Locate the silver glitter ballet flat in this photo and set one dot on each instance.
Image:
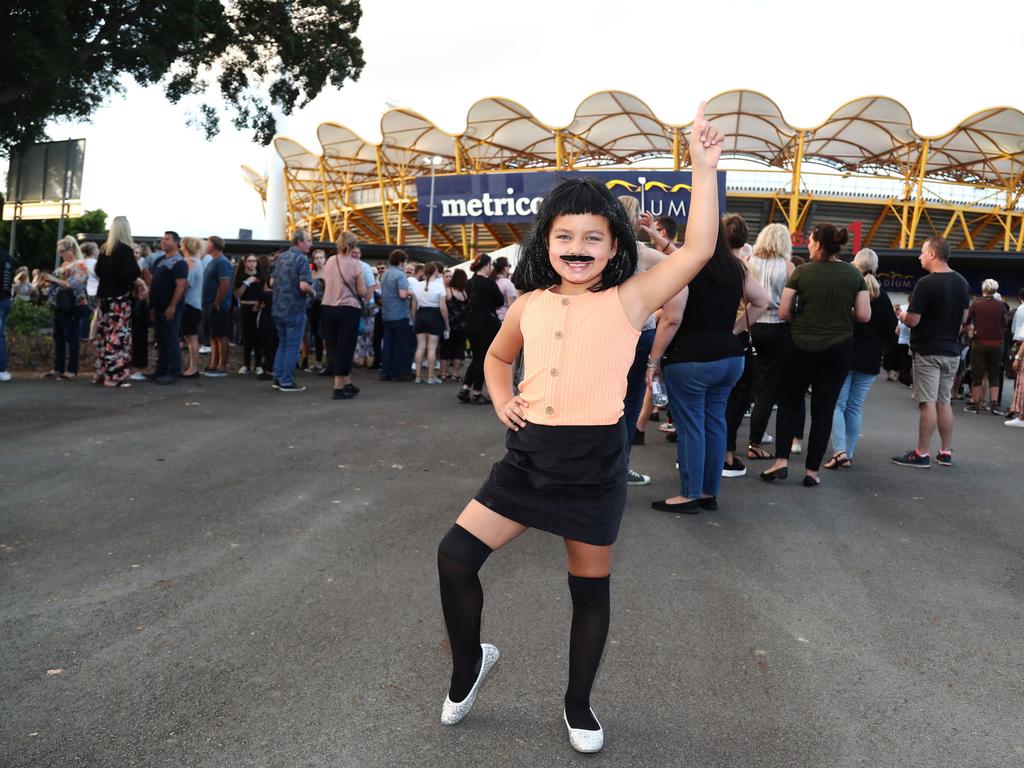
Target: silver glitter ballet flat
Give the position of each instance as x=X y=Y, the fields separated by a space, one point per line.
x=452 y=712
x=583 y=740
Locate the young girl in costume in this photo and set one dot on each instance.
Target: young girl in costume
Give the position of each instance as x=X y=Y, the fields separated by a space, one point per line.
x=565 y=470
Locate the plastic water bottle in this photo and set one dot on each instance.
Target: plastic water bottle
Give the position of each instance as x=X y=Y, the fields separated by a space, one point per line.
x=658 y=394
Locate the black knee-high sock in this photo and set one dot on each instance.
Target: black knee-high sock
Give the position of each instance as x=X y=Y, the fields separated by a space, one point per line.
x=459 y=558
x=591 y=613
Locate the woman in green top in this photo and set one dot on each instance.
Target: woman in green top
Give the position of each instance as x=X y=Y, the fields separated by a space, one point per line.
x=830 y=295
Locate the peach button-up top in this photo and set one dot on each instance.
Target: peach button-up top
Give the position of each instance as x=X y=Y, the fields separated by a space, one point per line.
x=577 y=351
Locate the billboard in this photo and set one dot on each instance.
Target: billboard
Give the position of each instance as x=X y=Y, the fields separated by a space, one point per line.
x=42 y=177
x=494 y=198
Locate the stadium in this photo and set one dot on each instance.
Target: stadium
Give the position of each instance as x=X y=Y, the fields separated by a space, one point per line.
x=865 y=167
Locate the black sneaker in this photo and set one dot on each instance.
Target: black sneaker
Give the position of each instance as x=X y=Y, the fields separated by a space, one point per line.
x=265 y=376
x=995 y=410
x=913 y=459
x=290 y=388
x=352 y=389
x=973 y=408
x=944 y=458
x=734 y=469
x=635 y=478
x=342 y=394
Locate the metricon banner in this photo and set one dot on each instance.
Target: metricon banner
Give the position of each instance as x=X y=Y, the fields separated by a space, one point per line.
x=494 y=198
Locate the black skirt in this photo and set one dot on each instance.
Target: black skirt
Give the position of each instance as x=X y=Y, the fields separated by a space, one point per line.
x=569 y=481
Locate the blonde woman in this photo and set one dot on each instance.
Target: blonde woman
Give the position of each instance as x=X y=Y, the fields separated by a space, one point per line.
x=868 y=341
x=344 y=296
x=119 y=279
x=770 y=264
x=192 y=248
x=67 y=298
x=23 y=290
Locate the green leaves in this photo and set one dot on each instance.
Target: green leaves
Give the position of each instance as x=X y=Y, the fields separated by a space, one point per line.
x=250 y=58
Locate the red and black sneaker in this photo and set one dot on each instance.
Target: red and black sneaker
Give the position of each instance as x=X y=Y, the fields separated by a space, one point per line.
x=913 y=459
x=944 y=458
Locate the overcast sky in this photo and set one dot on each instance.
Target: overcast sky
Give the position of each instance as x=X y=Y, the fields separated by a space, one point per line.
x=942 y=60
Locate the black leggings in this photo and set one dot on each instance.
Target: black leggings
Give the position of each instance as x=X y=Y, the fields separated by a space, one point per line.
x=479 y=341
x=825 y=372
x=250 y=336
x=739 y=400
x=341 y=329
x=773 y=345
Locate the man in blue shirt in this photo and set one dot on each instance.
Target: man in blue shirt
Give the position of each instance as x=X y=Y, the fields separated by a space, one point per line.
x=166 y=306
x=396 y=353
x=217 y=305
x=293 y=281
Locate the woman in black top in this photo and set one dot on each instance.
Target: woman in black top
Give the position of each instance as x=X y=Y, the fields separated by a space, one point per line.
x=250 y=280
x=703 y=362
x=118 y=274
x=482 y=325
x=869 y=340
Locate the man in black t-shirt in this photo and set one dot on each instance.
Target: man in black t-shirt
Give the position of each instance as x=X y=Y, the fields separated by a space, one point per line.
x=937 y=312
x=166 y=291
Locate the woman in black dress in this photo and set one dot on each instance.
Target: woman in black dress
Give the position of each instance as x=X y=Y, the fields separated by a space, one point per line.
x=482 y=325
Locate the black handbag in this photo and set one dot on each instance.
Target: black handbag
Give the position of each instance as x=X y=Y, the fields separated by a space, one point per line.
x=64 y=301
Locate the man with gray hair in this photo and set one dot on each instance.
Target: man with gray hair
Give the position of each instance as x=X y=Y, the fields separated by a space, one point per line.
x=293 y=281
x=935 y=316
x=987 y=319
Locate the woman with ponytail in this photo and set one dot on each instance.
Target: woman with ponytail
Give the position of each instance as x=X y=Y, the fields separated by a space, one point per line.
x=868 y=342
x=822 y=299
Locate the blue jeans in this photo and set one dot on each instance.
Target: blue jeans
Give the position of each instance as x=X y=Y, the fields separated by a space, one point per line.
x=636 y=384
x=5 y=307
x=290 y=331
x=168 y=353
x=697 y=394
x=849 y=407
x=395 y=354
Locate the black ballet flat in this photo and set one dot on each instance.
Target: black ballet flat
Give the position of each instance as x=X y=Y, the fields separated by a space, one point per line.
x=710 y=503
x=691 y=507
x=771 y=475
x=811 y=482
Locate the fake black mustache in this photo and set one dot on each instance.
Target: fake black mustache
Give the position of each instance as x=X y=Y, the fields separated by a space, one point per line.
x=579 y=258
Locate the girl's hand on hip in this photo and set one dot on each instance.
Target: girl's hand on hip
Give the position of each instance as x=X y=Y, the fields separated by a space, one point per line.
x=706 y=141
x=513 y=414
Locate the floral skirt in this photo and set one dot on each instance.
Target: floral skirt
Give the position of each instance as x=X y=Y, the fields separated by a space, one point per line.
x=114 y=339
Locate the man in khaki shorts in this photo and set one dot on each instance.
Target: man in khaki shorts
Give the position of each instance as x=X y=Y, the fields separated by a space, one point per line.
x=935 y=316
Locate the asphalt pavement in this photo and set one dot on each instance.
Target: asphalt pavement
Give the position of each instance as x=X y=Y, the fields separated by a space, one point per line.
x=217 y=574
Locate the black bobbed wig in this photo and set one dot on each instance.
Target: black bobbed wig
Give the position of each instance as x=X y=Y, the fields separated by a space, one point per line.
x=573 y=197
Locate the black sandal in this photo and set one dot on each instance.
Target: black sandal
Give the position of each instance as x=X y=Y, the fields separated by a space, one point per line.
x=463 y=395
x=756 y=452
x=479 y=399
x=839 y=463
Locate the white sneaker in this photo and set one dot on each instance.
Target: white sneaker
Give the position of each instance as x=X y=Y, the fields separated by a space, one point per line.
x=243 y=370
x=205 y=350
x=138 y=376
x=5 y=375
x=767 y=440
x=1017 y=422
x=259 y=370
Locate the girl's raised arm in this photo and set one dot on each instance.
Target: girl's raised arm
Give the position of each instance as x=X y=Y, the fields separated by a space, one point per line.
x=644 y=293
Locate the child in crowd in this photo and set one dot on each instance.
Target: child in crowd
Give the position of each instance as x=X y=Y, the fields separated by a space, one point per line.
x=565 y=470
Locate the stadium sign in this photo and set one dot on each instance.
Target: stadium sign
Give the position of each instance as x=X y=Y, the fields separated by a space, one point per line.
x=495 y=198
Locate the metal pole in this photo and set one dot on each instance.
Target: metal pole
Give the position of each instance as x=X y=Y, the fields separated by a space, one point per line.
x=430 y=213
x=64 y=190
